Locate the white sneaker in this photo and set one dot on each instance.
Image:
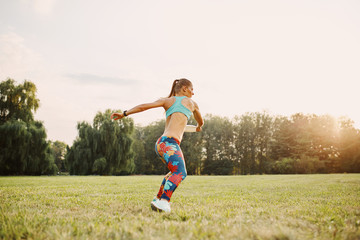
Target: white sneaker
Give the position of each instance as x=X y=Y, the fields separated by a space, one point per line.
x=153 y=201
x=160 y=205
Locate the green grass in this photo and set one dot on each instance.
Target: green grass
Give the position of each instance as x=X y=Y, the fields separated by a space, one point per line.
x=203 y=207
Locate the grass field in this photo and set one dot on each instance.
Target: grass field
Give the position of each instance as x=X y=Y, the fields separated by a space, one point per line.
x=203 y=207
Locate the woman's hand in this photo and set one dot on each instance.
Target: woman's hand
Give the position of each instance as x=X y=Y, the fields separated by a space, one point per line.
x=198 y=129
x=117 y=116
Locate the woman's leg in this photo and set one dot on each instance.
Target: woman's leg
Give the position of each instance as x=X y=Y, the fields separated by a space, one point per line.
x=161 y=191
x=178 y=170
x=169 y=151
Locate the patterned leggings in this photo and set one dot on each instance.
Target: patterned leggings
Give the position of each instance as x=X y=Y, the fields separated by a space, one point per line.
x=168 y=149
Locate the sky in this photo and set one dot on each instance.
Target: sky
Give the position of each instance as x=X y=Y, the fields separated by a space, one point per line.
x=279 y=56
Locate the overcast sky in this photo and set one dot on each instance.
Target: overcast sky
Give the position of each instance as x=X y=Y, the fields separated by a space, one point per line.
x=87 y=56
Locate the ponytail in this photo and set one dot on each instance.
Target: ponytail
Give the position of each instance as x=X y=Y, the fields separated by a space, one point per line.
x=172 y=92
x=177 y=85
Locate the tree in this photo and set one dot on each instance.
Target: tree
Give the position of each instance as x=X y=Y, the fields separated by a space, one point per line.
x=245 y=135
x=17 y=102
x=218 y=140
x=324 y=134
x=192 y=147
x=139 y=150
x=349 y=147
x=23 y=146
x=103 y=148
x=280 y=143
x=24 y=149
x=263 y=128
x=59 y=151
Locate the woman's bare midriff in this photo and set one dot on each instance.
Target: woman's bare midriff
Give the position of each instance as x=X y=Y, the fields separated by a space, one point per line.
x=175 y=125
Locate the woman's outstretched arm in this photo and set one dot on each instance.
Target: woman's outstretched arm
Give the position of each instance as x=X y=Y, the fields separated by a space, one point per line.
x=139 y=108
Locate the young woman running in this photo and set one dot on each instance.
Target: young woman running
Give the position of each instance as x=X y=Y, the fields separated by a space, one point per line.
x=179 y=107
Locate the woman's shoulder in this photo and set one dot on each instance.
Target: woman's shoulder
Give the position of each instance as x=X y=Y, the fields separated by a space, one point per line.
x=190 y=100
x=189 y=103
x=165 y=99
x=168 y=101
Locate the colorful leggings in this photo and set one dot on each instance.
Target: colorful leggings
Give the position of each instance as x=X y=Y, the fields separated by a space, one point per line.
x=168 y=149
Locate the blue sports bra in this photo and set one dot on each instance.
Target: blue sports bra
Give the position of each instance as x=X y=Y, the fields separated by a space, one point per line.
x=178 y=107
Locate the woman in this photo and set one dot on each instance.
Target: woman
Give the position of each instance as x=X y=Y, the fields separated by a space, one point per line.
x=179 y=107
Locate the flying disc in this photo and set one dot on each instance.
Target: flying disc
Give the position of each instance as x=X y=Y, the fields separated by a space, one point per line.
x=190 y=128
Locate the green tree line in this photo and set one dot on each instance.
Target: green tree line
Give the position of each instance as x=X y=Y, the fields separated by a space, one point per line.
x=252 y=143
x=259 y=143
